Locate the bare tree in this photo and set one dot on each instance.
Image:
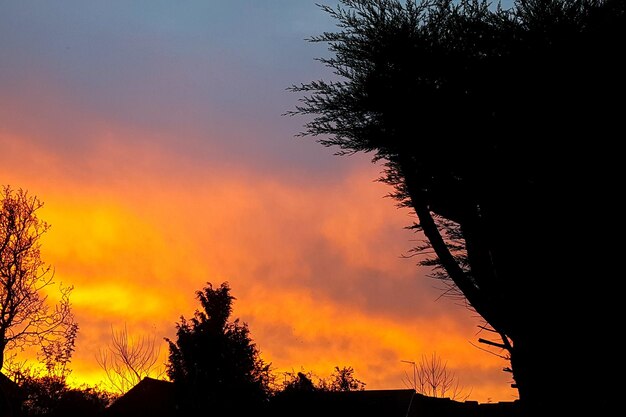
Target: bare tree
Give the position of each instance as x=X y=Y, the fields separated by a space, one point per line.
x=57 y=355
x=26 y=316
x=432 y=377
x=127 y=360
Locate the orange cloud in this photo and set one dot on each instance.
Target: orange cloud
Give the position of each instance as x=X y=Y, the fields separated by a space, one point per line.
x=315 y=267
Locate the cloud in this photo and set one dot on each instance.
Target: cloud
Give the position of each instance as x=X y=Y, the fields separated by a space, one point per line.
x=316 y=266
x=154 y=136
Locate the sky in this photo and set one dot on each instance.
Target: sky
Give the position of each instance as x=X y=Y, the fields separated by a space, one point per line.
x=153 y=131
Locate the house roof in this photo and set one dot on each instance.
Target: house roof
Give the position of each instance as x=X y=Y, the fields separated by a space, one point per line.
x=8 y=385
x=150 y=397
x=383 y=403
x=156 y=398
x=10 y=396
x=389 y=403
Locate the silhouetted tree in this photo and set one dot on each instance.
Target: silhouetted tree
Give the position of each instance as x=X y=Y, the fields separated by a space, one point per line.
x=474 y=111
x=343 y=379
x=431 y=377
x=213 y=362
x=299 y=382
x=127 y=360
x=26 y=316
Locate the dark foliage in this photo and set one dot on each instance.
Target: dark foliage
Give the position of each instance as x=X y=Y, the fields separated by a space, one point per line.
x=49 y=395
x=341 y=379
x=298 y=382
x=498 y=128
x=213 y=362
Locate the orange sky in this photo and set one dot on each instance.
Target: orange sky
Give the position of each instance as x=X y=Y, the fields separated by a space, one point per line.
x=316 y=267
x=154 y=136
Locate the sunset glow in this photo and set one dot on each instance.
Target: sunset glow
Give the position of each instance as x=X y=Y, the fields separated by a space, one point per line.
x=154 y=190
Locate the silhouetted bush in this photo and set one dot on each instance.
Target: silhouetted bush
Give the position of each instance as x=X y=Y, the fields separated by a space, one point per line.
x=214 y=364
x=50 y=396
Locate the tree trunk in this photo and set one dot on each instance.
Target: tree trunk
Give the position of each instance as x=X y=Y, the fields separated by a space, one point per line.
x=3 y=346
x=534 y=376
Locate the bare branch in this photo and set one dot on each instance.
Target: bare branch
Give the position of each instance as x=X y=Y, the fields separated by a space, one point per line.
x=27 y=318
x=489 y=342
x=127 y=360
x=432 y=377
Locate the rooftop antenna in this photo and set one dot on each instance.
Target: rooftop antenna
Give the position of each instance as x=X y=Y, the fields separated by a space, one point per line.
x=414 y=373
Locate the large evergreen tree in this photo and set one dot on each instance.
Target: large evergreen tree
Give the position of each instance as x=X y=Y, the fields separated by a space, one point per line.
x=498 y=128
x=213 y=362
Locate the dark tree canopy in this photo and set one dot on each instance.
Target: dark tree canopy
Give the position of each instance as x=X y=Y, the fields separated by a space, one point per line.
x=50 y=396
x=213 y=362
x=298 y=382
x=341 y=379
x=497 y=127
